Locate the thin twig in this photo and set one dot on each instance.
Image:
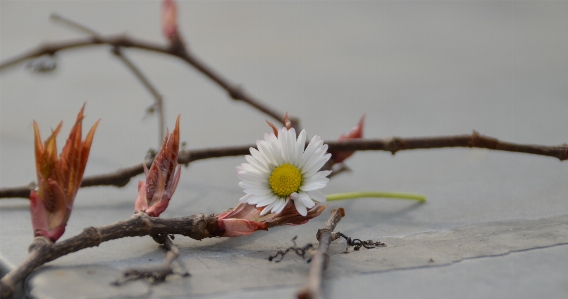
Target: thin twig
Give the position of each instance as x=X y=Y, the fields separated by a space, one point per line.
x=158 y=99
x=178 y=50
x=72 y=24
x=116 y=50
x=197 y=227
x=121 y=177
x=157 y=273
x=300 y=251
x=320 y=258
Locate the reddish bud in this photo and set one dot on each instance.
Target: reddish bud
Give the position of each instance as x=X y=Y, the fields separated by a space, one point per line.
x=161 y=180
x=287 y=122
x=355 y=133
x=59 y=178
x=169 y=20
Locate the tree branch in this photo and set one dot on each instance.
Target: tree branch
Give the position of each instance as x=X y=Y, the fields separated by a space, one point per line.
x=122 y=176
x=42 y=250
x=320 y=259
x=158 y=101
x=178 y=50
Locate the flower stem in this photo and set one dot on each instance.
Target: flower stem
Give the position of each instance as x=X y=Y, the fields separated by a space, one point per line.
x=398 y=195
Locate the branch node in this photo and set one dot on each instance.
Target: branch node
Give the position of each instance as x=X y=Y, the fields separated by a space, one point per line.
x=236 y=93
x=322 y=231
x=38 y=243
x=93 y=234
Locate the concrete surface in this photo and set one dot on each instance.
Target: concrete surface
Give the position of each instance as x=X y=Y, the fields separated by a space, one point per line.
x=494 y=224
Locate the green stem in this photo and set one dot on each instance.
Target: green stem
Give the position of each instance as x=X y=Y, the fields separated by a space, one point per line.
x=353 y=195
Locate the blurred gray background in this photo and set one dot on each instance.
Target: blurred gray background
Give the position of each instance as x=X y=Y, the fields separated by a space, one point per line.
x=416 y=68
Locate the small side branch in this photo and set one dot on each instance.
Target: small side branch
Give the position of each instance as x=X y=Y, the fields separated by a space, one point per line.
x=158 y=100
x=320 y=259
x=159 y=273
x=197 y=227
x=116 y=50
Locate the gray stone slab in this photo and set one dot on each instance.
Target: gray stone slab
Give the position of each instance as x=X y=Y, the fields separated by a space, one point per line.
x=415 y=68
x=217 y=270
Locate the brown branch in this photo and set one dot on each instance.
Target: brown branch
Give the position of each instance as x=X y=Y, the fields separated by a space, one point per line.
x=320 y=259
x=121 y=177
x=475 y=139
x=197 y=227
x=130 y=65
x=177 y=49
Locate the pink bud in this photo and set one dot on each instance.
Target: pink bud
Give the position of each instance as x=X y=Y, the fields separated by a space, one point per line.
x=169 y=20
x=161 y=180
x=59 y=178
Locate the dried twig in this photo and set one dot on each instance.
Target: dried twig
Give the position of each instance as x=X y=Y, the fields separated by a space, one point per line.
x=358 y=243
x=197 y=227
x=158 y=273
x=320 y=258
x=122 y=176
x=300 y=251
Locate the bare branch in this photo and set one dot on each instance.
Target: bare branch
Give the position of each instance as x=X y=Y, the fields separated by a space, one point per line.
x=178 y=50
x=121 y=177
x=116 y=50
x=320 y=259
x=42 y=250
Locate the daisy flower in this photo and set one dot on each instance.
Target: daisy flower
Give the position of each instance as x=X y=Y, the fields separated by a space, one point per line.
x=281 y=170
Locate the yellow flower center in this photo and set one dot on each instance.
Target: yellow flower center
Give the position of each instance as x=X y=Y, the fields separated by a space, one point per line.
x=285 y=180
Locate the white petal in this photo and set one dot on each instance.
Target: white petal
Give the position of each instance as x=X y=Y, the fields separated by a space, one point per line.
x=267 y=201
x=267 y=208
x=256 y=191
x=266 y=150
x=249 y=176
x=254 y=185
x=315 y=185
x=284 y=137
x=317 y=196
x=301 y=208
x=317 y=166
x=245 y=198
x=314 y=144
x=319 y=175
x=291 y=146
x=300 y=145
x=315 y=159
x=280 y=206
x=306 y=200
x=259 y=157
x=258 y=198
x=275 y=148
x=247 y=167
x=256 y=164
